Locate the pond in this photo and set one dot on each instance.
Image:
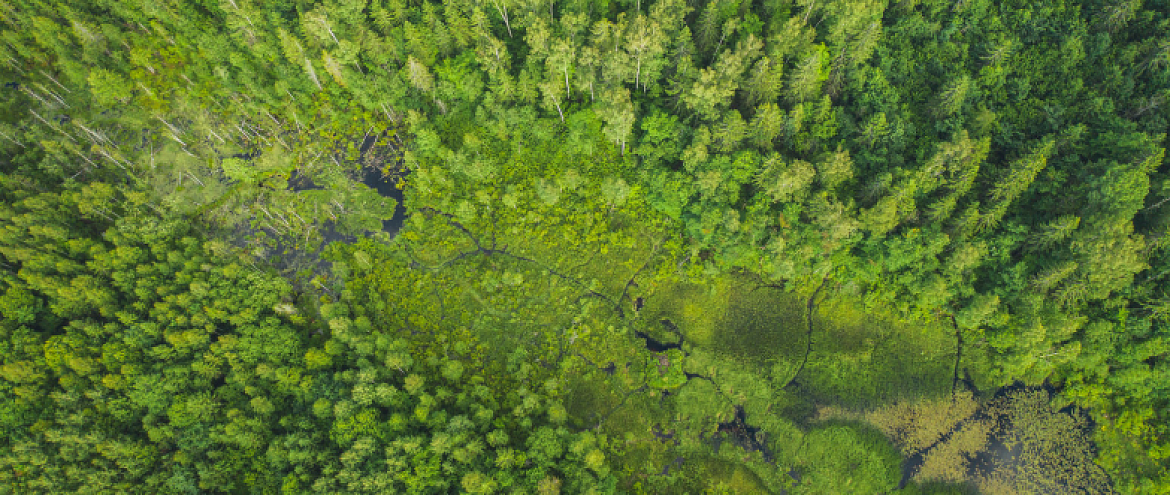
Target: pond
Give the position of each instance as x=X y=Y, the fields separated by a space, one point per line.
x=375 y=180
x=372 y=176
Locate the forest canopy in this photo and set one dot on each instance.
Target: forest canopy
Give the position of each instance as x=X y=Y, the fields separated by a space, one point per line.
x=589 y=246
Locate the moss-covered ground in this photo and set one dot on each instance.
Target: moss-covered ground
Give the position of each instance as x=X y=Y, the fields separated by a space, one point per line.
x=742 y=345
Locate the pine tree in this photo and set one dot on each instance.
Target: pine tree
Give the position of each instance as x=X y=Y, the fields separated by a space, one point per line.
x=785 y=181
x=1055 y=231
x=804 y=82
x=767 y=124
x=835 y=168
x=1023 y=172
x=764 y=83
x=952 y=97
x=419 y=76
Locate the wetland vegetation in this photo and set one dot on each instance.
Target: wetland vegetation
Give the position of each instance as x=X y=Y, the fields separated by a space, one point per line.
x=589 y=246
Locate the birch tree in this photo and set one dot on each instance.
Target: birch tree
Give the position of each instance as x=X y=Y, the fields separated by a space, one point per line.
x=646 y=44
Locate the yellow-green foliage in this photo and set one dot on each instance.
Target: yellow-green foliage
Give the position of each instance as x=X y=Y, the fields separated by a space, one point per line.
x=919 y=425
x=934 y=488
x=1024 y=443
x=591 y=397
x=702 y=407
x=729 y=316
x=719 y=476
x=781 y=435
x=865 y=359
x=847 y=458
x=666 y=369
x=857 y=358
x=1049 y=451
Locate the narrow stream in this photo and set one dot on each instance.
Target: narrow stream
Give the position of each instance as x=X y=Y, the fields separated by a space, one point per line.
x=738 y=431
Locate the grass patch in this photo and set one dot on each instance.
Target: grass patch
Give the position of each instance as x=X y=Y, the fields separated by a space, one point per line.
x=719 y=476
x=729 y=317
x=750 y=343
x=865 y=360
x=858 y=358
x=591 y=396
x=845 y=457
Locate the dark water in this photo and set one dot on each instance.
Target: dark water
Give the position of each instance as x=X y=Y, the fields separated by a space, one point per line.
x=298 y=182
x=372 y=178
x=655 y=345
x=743 y=434
x=290 y=257
x=385 y=188
x=996 y=453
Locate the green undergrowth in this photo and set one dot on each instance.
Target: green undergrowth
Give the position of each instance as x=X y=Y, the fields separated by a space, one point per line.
x=862 y=359
x=936 y=488
x=743 y=347
x=848 y=458
x=857 y=358
x=725 y=477
x=672 y=415
x=660 y=453
x=733 y=318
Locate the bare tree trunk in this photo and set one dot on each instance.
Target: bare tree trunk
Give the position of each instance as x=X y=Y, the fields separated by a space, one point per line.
x=504 y=13
x=325 y=22
x=55 y=82
x=35 y=95
x=51 y=126
x=54 y=95
x=11 y=139
x=638 y=73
